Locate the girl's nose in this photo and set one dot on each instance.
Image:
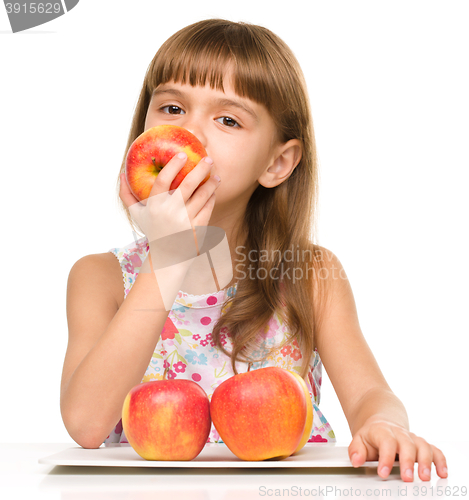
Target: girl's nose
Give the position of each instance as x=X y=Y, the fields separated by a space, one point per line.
x=194 y=126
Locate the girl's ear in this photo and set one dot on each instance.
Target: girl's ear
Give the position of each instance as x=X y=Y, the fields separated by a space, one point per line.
x=286 y=158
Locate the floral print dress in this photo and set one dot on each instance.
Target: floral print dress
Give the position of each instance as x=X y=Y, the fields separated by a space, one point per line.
x=186 y=349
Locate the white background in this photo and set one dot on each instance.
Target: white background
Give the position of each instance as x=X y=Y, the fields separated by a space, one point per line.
x=388 y=86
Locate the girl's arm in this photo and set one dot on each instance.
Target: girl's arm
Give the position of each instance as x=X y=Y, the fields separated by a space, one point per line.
x=377 y=418
x=109 y=349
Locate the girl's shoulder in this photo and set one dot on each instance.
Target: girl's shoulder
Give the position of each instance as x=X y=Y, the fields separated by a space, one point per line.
x=111 y=268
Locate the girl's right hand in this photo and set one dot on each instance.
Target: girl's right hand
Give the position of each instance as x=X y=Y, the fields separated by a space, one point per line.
x=165 y=213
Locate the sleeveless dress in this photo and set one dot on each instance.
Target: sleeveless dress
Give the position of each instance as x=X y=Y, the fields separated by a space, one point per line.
x=186 y=348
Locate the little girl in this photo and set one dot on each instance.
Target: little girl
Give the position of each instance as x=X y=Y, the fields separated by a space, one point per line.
x=239 y=89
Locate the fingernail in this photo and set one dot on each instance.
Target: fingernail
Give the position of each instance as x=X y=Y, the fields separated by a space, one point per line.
x=208 y=160
x=385 y=471
x=182 y=155
x=354 y=458
x=217 y=178
x=409 y=472
x=444 y=470
x=427 y=472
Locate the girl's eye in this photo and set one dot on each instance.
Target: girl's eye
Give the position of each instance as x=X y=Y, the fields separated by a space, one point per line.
x=172 y=110
x=176 y=110
x=229 y=122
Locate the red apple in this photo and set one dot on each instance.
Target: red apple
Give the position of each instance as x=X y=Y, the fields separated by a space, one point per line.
x=152 y=150
x=260 y=414
x=167 y=419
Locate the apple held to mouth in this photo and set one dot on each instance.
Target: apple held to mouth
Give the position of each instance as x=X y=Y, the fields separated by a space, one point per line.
x=167 y=419
x=153 y=149
x=260 y=414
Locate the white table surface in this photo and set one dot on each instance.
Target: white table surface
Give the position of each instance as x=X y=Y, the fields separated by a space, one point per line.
x=21 y=476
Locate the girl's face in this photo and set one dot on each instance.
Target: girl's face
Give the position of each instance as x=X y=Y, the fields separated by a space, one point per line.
x=237 y=133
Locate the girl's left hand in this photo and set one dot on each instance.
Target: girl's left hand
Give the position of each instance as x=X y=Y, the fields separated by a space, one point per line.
x=381 y=439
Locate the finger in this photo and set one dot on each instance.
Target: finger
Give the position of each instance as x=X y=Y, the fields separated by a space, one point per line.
x=440 y=462
x=203 y=217
x=192 y=180
x=168 y=173
x=198 y=200
x=387 y=449
x=125 y=194
x=357 y=451
x=424 y=458
x=407 y=450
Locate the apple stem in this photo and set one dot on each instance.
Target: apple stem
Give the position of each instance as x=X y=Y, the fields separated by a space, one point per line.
x=165 y=372
x=249 y=366
x=154 y=163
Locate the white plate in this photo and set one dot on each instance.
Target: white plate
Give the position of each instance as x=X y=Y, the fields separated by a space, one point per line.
x=213 y=455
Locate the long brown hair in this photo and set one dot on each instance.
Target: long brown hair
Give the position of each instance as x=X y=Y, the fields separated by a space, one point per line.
x=277 y=220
